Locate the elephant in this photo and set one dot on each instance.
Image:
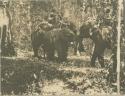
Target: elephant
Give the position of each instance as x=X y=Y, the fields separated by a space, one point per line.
x=54 y=40
x=101 y=38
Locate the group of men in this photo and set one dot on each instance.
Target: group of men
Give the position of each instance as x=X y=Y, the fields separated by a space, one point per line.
x=54 y=20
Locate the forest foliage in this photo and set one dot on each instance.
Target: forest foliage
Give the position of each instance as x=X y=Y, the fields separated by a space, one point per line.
x=26 y=15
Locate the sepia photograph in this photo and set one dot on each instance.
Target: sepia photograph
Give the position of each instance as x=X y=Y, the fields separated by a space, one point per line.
x=62 y=47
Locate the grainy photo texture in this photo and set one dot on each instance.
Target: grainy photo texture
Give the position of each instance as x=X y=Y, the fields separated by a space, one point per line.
x=62 y=47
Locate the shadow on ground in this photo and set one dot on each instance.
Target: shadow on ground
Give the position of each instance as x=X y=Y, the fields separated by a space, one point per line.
x=30 y=75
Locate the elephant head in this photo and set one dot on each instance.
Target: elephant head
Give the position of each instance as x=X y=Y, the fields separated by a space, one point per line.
x=85 y=30
x=67 y=35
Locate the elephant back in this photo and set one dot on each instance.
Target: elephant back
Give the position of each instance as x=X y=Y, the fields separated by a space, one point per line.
x=63 y=34
x=46 y=26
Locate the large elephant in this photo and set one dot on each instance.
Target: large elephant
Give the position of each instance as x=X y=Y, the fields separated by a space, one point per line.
x=54 y=40
x=101 y=39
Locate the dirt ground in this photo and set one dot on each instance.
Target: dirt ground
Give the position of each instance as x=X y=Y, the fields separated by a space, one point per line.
x=25 y=75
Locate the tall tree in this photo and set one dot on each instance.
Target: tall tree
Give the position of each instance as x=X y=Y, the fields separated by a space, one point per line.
x=124 y=11
x=118 y=45
x=5 y=26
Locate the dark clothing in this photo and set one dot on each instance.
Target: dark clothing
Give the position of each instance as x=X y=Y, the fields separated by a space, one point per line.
x=98 y=55
x=100 y=46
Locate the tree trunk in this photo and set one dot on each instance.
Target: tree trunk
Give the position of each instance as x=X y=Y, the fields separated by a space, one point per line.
x=124 y=12
x=118 y=45
x=7 y=48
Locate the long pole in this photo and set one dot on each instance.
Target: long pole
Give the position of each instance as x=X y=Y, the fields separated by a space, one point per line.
x=124 y=11
x=118 y=45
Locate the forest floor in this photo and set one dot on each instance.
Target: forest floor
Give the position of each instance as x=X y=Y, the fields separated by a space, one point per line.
x=30 y=76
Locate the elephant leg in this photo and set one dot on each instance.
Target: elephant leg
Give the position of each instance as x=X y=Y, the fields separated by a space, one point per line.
x=59 y=55
x=75 y=48
x=93 y=59
x=101 y=60
x=35 y=50
x=62 y=56
x=80 y=45
x=35 y=45
x=59 y=51
x=44 y=53
x=50 y=53
x=62 y=52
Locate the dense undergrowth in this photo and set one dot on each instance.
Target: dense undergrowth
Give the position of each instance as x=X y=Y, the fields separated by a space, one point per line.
x=28 y=76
